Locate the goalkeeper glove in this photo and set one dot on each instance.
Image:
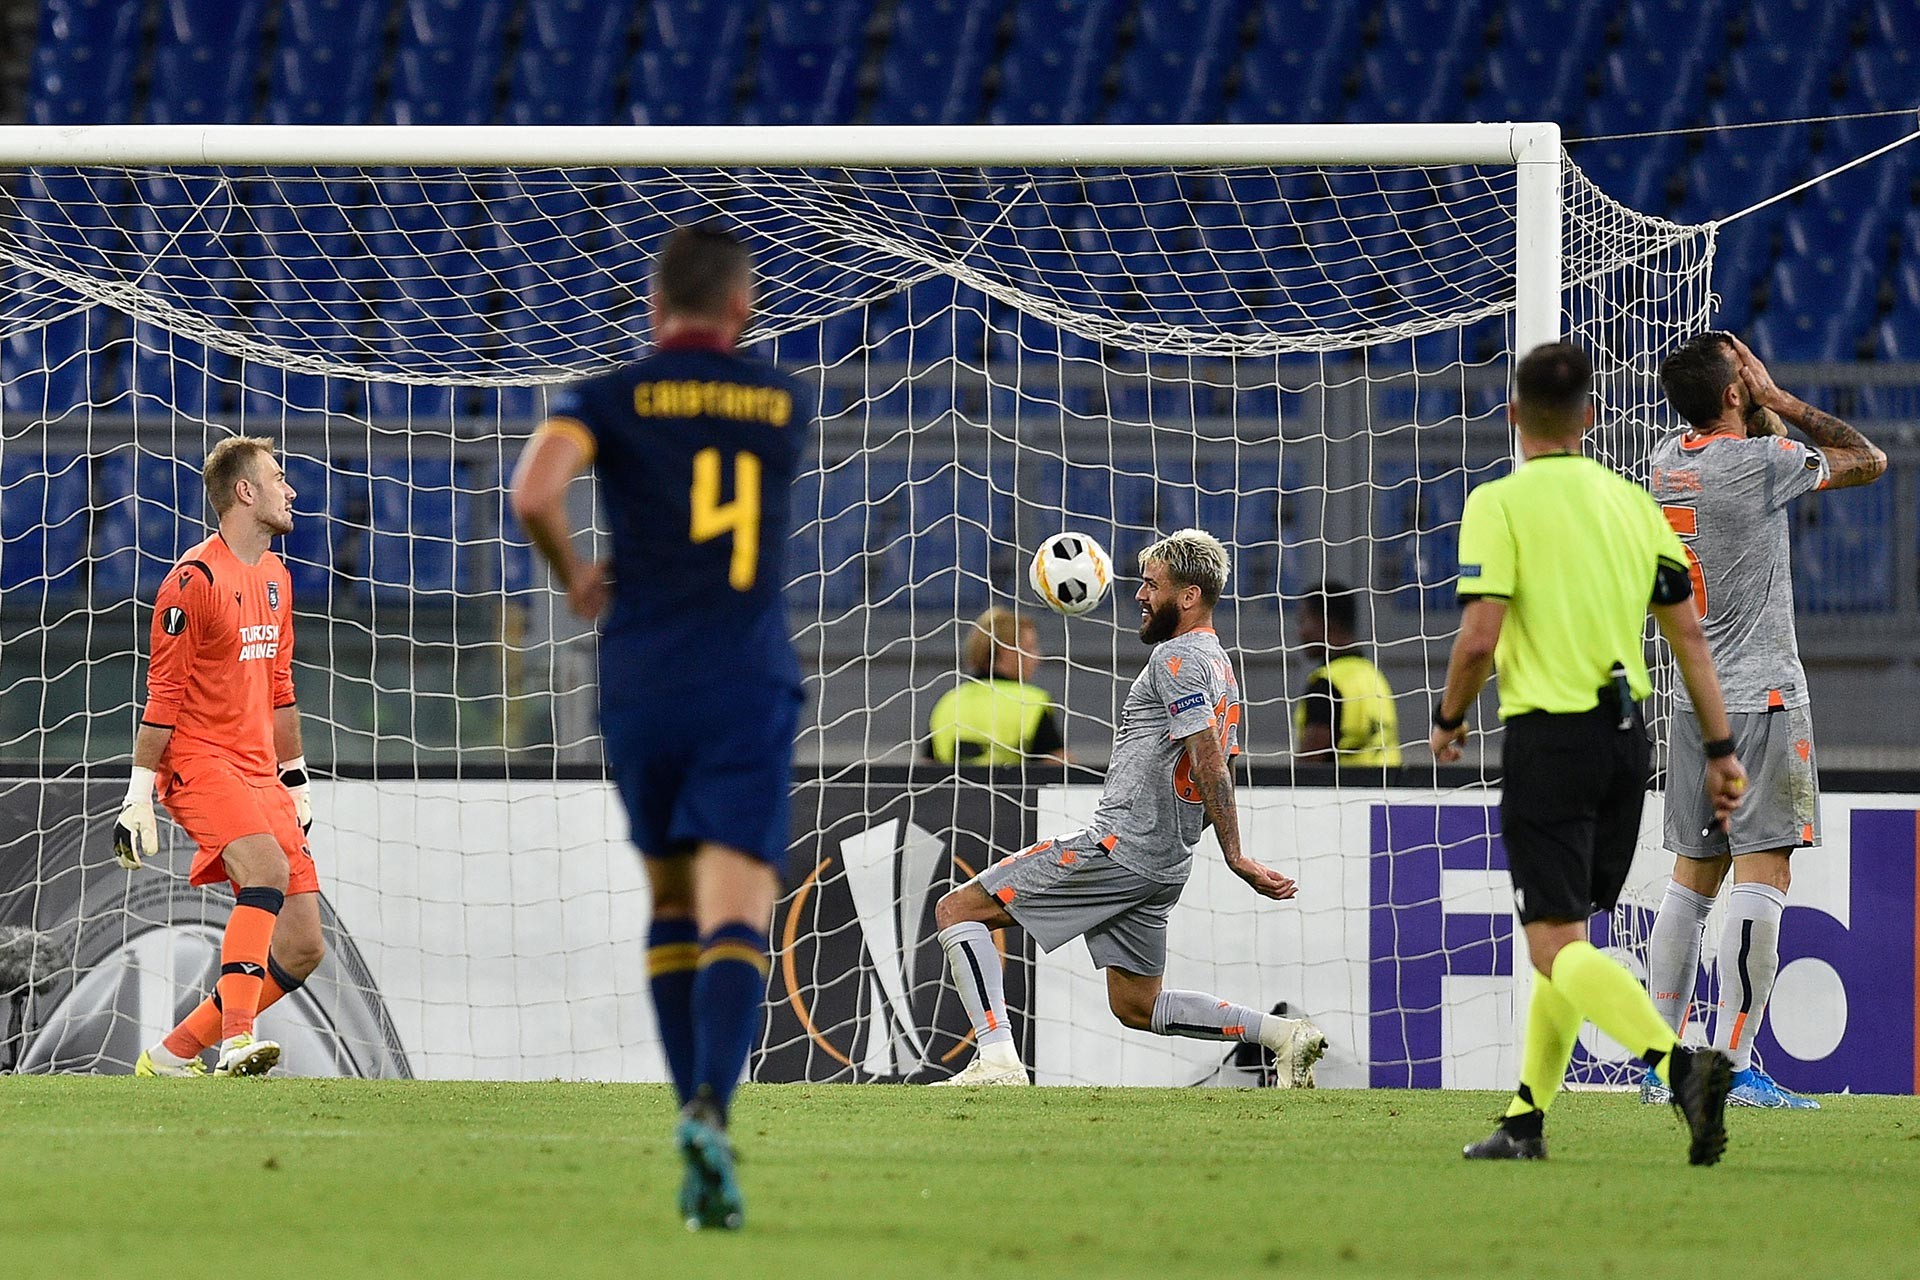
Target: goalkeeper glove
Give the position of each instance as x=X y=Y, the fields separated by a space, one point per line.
x=134 y=834
x=293 y=776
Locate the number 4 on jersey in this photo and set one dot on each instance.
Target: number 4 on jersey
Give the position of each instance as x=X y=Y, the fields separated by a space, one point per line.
x=713 y=518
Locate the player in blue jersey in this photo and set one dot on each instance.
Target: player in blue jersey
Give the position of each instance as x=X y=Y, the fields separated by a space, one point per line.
x=696 y=447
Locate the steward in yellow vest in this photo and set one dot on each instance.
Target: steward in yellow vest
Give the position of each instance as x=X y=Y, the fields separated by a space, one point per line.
x=996 y=717
x=1346 y=714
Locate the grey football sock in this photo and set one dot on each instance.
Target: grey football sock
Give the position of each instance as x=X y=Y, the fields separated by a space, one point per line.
x=1203 y=1017
x=1749 y=958
x=1673 y=951
x=980 y=980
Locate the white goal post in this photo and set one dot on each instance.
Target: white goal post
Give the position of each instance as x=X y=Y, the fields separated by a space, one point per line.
x=1296 y=335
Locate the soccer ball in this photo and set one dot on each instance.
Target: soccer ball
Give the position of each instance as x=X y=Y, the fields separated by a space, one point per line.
x=1071 y=573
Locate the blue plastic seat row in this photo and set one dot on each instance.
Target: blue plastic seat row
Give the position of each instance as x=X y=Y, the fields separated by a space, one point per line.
x=392 y=527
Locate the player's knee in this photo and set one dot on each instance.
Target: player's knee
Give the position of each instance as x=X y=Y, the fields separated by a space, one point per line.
x=1133 y=1013
x=959 y=906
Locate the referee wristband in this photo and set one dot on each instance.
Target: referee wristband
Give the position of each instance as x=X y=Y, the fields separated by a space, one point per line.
x=1719 y=748
x=1440 y=720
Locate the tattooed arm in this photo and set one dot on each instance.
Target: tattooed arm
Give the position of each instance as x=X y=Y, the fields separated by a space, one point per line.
x=1852 y=459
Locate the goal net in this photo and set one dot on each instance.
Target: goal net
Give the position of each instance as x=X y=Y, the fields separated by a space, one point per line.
x=1304 y=352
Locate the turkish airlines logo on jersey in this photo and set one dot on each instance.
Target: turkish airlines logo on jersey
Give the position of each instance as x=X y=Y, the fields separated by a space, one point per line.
x=273 y=596
x=259 y=642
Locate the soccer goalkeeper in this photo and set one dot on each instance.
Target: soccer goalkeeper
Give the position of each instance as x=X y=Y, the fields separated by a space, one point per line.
x=1115 y=882
x=220 y=734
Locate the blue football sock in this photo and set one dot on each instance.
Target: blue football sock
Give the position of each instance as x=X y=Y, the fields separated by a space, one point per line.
x=727 y=994
x=673 y=958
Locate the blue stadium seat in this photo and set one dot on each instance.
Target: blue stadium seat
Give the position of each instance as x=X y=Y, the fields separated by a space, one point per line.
x=1051 y=71
x=1769 y=81
x=1406 y=83
x=593 y=28
x=205 y=61
x=562 y=86
x=82 y=83
x=1519 y=81
x=319 y=524
x=153 y=509
x=93 y=23
x=934 y=66
x=1812 y=30
x=1440 y=26
x=349 y=25
x=1626 y=106
x=1880 y=77
x=1176 y=69
x=1681 y=24
x=323 y=84
x=1894 y=23
x=816 y=23
x=803 y=84
x=1795 y=336
x=1843 y=551
x=695 y=85
x=191 y=379
x=43 y=517
x=421 y=517
x=1572 y=26
x=1633 y=172
x=270 y=392
x=453 y=24
x=49 y=373
x=695 y=24
x=443 y=84
x=1285 y=79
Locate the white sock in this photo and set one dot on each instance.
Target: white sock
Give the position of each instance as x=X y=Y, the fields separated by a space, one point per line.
x=1673 y=951
x=980 y=980
x=1749 y=959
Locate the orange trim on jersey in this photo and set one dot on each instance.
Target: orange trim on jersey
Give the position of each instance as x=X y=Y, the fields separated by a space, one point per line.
x=1684 y=521
x=1691 y=441
x=1235 y=1030
x=1109 y=843
x=1068 y=857
x=1804 y=749
x=1004 y=893
x=1774 y=701
x=1739 y=1025
x=1173 y=665
x=574 y=430
x=1806 y=834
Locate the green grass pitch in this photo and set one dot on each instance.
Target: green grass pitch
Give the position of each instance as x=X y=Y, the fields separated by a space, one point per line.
x=311 y=1179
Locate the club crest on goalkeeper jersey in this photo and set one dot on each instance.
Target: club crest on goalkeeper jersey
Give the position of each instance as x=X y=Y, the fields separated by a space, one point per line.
x=696 y=448
x=1150 y=813
x=1726 y=496
x=221 y=662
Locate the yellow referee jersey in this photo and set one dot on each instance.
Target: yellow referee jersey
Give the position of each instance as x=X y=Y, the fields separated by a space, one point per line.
x=1573 y=549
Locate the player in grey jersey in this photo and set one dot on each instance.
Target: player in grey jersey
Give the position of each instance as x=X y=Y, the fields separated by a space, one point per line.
x=1725 y=485
x=1116 y=881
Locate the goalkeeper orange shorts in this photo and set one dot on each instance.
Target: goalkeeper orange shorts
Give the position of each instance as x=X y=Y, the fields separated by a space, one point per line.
x=216 y=805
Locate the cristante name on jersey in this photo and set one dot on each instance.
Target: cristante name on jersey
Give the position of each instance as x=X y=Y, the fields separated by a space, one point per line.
x=737 y=401
x=259 y=642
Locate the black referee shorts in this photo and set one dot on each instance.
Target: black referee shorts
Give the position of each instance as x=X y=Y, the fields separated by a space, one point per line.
x=1570 y=810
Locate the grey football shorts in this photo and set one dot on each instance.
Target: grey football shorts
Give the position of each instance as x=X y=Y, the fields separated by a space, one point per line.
x=1058 y=894
x=1781 y=807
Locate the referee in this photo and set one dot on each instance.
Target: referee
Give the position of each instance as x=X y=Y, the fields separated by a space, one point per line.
x=1575 y=553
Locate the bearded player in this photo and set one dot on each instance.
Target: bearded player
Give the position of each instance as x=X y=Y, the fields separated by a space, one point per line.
x=220 y=734
x=1725 y=485
x=1115 y=881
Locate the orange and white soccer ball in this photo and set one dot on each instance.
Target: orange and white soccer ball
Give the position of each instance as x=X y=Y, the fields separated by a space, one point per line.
x=1071 y=573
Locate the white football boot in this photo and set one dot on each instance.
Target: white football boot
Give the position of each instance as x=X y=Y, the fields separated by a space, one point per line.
x=242 y=1055
x=1296 y=1045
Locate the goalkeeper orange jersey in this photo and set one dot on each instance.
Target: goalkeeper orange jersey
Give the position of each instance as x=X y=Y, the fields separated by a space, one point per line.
x=222 y=660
